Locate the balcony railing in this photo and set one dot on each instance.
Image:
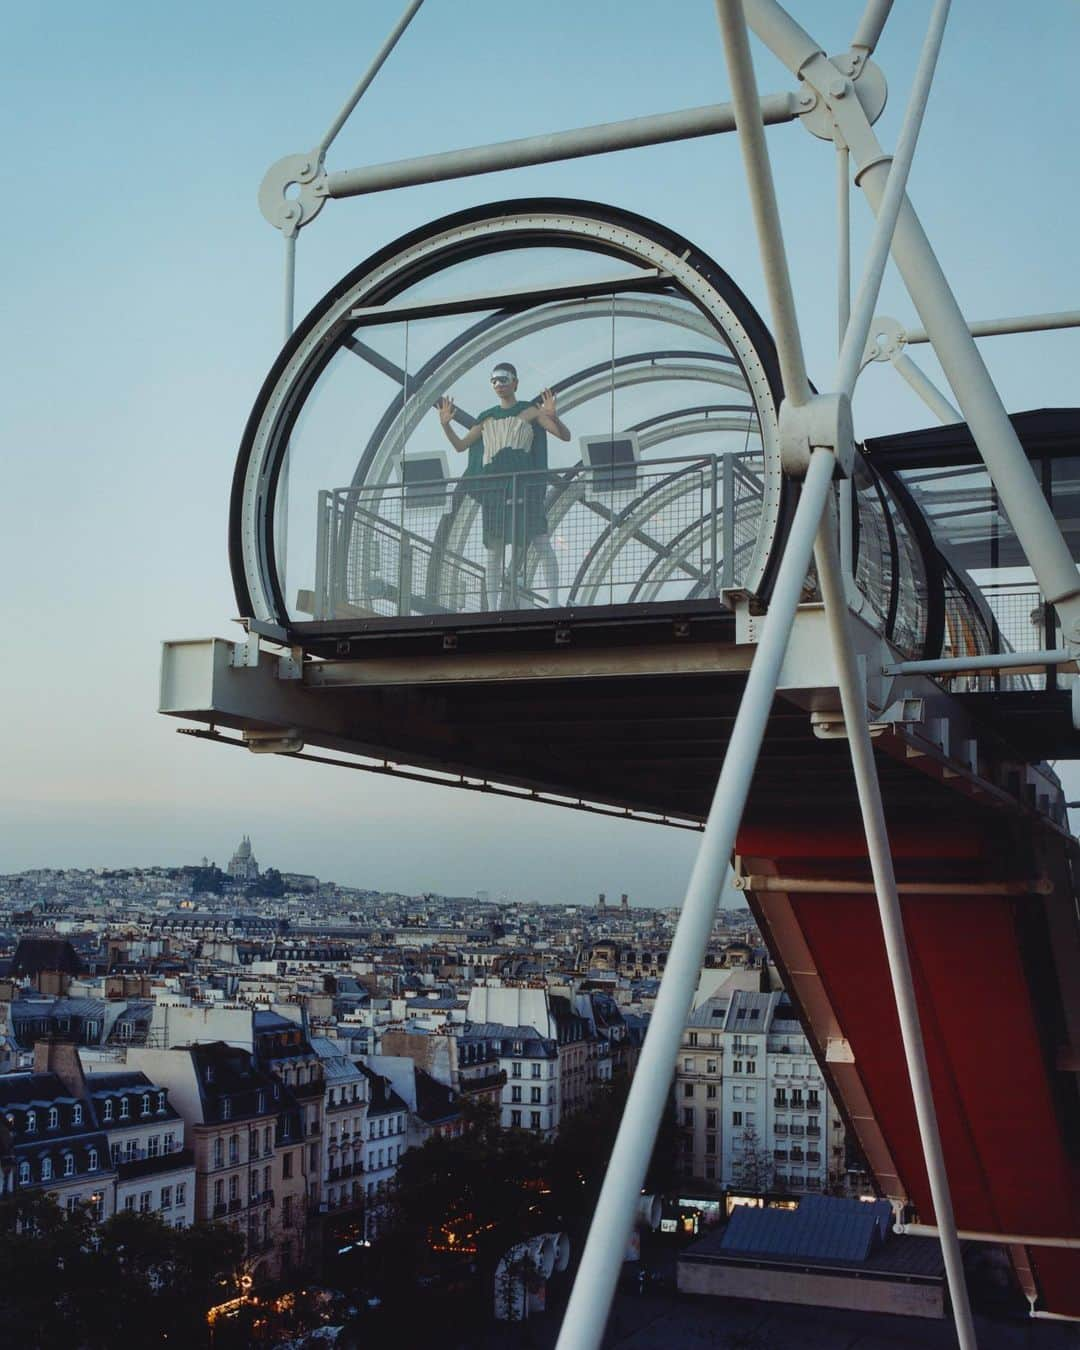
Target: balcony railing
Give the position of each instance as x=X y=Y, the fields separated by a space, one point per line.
x=813 y=1131
x=780 y=1129
x=219 y=1209
x=234 y=1205
x=668 y=529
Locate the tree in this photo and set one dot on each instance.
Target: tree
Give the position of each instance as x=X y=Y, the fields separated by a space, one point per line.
x=752 y=1167
x=131 y=1280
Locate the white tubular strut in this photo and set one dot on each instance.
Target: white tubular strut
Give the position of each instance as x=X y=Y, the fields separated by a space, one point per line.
x=853 y=700
x=587 y=1312
x=1030 y=513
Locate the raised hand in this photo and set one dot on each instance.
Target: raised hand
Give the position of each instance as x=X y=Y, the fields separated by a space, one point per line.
x=547 y=403
x=445 y=408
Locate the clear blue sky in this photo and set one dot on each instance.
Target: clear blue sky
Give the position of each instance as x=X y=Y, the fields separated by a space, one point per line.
x=142 y=308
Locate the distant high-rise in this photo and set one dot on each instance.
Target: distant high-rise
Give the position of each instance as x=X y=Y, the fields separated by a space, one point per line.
x=242 y=865
x=624 y=902
x=601 y=902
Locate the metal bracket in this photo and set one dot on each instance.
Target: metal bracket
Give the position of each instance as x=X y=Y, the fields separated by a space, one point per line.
x=888 y=337
x=245 y=654
x=290 y=666
x=855 y=74
x=288 y=213
x=278 y=741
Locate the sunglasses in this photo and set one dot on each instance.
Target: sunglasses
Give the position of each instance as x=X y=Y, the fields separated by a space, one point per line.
x=502 y=379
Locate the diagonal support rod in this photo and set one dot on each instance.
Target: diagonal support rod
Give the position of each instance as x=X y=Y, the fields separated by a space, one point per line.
x=751 y=128
x=587 y=1312
x=852 y=698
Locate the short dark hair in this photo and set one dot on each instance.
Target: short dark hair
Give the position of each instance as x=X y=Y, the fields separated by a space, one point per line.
x=505 y=365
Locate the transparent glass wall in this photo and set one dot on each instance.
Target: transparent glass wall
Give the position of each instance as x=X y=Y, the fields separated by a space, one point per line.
x=623 y=462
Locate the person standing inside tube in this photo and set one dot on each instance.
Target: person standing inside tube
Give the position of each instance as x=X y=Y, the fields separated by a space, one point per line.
x=506 y=440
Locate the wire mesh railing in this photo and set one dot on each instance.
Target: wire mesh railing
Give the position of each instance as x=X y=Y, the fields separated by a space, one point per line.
x=669 y=530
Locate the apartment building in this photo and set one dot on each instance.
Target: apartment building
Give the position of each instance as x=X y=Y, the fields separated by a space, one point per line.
x=249 y=1153
x=155 y=1172
x=57 y=1144
x=752 y=1108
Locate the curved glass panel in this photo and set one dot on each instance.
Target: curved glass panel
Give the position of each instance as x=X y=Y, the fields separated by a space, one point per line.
x=628 y=456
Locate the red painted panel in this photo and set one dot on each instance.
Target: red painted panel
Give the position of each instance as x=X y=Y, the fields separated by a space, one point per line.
x=1008 y=1167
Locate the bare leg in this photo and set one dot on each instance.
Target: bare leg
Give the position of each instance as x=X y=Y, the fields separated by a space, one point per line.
x=493 y=578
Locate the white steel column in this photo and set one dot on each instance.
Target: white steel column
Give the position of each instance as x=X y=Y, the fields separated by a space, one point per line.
x=747 y=105
x=853 y=700
x=1030 y=514
x=587 y=1312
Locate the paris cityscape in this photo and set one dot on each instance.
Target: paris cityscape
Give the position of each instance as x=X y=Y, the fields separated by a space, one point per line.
x=540 y=780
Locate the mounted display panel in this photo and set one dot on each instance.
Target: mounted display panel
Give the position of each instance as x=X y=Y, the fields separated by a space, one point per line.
x=529 y=407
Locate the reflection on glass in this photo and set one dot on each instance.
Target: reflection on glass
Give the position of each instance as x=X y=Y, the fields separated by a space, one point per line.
x=565 y=451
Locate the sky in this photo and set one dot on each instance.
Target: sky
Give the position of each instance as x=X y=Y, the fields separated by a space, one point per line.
x=142 y=301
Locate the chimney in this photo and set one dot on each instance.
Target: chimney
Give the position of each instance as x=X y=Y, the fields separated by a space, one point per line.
x=62 y=1059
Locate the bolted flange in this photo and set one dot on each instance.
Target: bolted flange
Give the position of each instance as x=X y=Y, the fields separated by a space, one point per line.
x=306 y=174
x=863 y=79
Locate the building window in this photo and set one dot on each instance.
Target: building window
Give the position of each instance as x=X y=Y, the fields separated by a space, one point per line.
x=91 y=1159
x=286 y=1212
x=219 y=1152
x=260 y=1101
x=31 y=1122
x=751 y=1066
x=146 y=1103
x=710 y=1143
x=710 y=1120
x=736 y=1066
x=692 y=1038
x=125 y=1108
x=153 y=1146
x=688 y=1090
x=515 y=1094
x=268 y=1141
x=181 y=1192
x=161 y=1101
x=54 y=1117
x=129 y=1204
x=219 y=1192
x=107 y=1110
x=688 y=1064
x=144 y=1202
x=253 y=1185
x=736 y=1117
x=536 y=1070
x=234 y=1187
x=534 y=1120
x=515 y=1069
x=710 y=1091
x=76 y=1114
x=234 y=1148
x=286 y=1166
x=710 y=1066
x=46 y=1169
x=226 y=1108
x=24 y=1173
x=170 y=1142
x=534 y=1095
x=166 y=1197
x=266 y=1178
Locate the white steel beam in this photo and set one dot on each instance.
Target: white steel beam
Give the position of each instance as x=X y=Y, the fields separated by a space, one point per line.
x=868 y=33
x=366 y=79
x=601 y=139
x=1030 y=513
x=926 y=389
x=853 y=701
x=587 y=1312
x=755 y=154
x=1020 y=323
